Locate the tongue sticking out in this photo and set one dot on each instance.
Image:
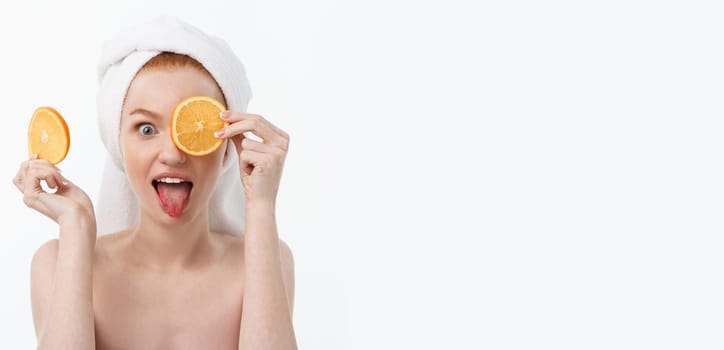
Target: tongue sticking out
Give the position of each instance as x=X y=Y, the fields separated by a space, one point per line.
x=174 y=197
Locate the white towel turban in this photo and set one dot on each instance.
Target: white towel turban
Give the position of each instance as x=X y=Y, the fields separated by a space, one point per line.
x=121 y=58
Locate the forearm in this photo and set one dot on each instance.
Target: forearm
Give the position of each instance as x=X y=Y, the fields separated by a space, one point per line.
x=69 y=321
x=266 y=321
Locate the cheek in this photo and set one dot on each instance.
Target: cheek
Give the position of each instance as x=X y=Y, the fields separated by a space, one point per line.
x=137 y=157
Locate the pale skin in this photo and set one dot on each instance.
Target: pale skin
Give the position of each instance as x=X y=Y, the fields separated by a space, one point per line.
x=168 y=283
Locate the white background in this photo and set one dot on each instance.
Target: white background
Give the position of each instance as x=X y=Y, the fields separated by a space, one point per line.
x=463 y=175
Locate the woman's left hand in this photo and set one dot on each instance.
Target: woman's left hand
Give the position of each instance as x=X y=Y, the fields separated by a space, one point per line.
x=260 y=163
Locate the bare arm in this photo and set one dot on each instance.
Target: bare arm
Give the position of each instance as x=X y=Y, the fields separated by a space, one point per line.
x=61 y=281
x=266 y=321
x=62 y=290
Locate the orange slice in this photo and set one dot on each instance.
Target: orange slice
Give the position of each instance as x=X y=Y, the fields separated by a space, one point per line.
x=193 y=124
x=48 y=135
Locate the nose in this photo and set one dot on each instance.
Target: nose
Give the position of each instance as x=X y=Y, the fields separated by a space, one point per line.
x=170 y=154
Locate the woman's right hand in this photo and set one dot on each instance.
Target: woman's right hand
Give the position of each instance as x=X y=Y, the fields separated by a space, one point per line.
x=69 y=202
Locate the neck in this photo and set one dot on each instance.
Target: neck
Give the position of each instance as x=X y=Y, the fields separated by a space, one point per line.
x=171 y=244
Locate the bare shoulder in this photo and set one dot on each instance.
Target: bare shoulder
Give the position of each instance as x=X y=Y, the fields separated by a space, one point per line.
x=46 y=254
x=42 y=271
x=42 y=265
x=287 y=261
x=286 y=256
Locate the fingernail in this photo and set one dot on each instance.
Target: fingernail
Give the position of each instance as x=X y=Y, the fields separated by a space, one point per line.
x=224 y=114
x=219 y=133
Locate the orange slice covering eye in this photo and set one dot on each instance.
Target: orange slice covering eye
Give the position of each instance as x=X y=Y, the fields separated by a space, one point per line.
x=48 y=135
x=193 y=124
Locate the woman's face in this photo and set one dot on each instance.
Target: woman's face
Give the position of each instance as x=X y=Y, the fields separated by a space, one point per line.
x=153 y=163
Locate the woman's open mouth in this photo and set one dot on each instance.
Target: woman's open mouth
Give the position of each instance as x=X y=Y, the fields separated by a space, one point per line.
x=173 y=194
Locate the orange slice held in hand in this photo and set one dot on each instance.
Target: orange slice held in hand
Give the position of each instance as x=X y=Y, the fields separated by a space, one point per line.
x=48 y=135
x=193 y=124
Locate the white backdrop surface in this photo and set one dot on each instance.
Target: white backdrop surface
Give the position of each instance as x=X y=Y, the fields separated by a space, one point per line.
x=462 y=174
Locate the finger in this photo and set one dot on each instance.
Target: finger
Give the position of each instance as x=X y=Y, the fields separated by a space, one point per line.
x=31 y=180
x=284 y=137
x=59 y=180
x=238 y=140
x=18 y=182
x=64 y=181
x=38 y=171
x=32 y=189
x=271 y=125
x=245 y=163
x=249 y=160
x=41 y=163
x=232 y=117
x=18 y=179
x=25 y=167
x=259 y=128
x=254 y=125
x=45 y=165
x=252 y=145
x=51 y=181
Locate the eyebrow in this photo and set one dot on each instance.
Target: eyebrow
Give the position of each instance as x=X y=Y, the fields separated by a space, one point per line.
x=146 y=113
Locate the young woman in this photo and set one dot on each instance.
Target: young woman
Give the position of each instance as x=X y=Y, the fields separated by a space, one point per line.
x=175 y=273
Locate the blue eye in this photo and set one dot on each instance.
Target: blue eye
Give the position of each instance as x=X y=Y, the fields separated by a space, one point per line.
x=146 y=129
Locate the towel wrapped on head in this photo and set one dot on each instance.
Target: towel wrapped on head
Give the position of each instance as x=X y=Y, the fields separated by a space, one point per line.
x=121 y=58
